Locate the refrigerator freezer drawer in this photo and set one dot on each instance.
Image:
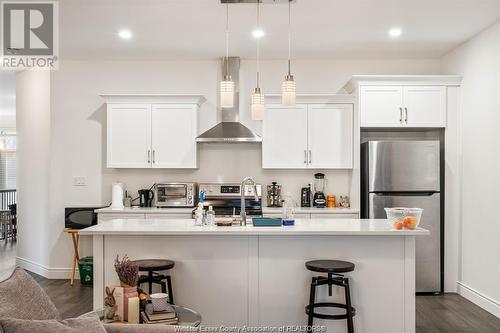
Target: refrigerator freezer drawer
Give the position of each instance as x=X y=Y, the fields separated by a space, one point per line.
x=408 y=166
x=428 y=249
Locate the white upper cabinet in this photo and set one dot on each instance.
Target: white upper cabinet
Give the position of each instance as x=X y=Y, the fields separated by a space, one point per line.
x=128 y=136
x=330 y=136
x=308 y=136
x=381 y=106
x=284 y=139
x=402 y=100
x=152 y=131
x=424 y=106
x=174 y=131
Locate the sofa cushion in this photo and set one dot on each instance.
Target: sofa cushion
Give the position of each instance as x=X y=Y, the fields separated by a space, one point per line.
x=77 y=325
x=22 y=298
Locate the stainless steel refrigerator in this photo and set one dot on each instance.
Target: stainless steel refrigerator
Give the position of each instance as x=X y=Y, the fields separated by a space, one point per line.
x=407 y=174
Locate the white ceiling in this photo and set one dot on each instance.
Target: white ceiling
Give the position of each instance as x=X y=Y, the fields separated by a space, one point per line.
x=194 y=29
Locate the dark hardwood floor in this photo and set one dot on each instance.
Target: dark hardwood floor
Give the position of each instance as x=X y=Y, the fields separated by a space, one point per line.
x=71 y=301
x=449 y=313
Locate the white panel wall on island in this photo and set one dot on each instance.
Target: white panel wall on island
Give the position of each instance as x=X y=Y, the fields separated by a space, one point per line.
x=152 y=131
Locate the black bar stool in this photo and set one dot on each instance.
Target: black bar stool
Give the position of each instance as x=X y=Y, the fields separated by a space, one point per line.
x=333 y=268
x=153 y=267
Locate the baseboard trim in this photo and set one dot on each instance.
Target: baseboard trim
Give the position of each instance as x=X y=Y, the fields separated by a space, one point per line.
x=483 y=301
x=46 y=272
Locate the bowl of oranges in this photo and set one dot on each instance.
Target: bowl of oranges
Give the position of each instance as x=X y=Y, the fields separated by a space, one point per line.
x=404 y=218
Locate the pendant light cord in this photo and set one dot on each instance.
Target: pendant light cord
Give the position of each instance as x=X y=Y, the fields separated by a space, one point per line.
x=258 y=44
x=289 y=35
x=227 y=39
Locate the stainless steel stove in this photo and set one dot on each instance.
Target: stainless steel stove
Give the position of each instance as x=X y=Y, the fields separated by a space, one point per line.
x=225 y=199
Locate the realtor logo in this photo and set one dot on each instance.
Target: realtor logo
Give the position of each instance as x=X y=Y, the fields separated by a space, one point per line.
x=29 y=34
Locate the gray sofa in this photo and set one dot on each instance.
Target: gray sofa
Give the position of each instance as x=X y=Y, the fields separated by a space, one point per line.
x=22 y=298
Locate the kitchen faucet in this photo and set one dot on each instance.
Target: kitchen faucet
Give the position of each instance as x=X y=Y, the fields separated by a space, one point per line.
x=243 y=213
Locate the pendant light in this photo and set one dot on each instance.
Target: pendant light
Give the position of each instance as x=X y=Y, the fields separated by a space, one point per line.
x=227 y=85
x=289 y=94
x=257 y=99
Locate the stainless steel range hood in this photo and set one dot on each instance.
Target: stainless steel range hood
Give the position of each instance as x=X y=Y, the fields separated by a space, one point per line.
x=230 y=130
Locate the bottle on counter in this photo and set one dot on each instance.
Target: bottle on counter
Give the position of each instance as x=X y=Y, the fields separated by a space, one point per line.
x=198 y=215
x=288 y=210
x=210 y=219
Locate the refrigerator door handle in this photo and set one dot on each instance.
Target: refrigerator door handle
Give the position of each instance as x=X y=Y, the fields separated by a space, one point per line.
x=409 y=194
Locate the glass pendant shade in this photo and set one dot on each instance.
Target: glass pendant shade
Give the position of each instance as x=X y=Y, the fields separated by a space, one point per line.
x=257 y=105
x=288 y=97
x=227 y=92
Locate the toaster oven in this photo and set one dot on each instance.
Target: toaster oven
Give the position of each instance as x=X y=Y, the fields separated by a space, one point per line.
x=175 y=194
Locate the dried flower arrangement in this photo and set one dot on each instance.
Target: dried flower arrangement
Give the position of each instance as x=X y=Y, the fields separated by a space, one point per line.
x=127 y=271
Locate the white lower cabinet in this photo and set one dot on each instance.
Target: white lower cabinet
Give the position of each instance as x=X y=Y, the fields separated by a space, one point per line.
x=308 y=136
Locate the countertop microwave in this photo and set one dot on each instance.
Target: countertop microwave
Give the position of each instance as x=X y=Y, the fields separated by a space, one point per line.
x=176 y=194
x=80 y=217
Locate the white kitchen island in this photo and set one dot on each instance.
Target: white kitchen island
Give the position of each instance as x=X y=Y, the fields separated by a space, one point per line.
x=256 y=276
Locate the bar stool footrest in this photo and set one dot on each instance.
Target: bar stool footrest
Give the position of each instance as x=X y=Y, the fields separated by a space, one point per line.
x=329 y=316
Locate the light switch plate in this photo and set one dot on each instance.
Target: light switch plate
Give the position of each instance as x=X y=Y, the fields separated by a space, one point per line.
x=79 y=181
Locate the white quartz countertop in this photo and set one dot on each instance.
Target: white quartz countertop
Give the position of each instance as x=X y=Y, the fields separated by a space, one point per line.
x=319 y=227
x=180 y=210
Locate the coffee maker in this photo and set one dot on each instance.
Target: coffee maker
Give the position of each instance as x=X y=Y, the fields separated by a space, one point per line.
x=274 y=195
x=319 y=200
x=146 y=198
x=305 y=196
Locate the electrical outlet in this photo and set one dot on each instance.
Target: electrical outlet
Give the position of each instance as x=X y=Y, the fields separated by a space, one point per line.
x=79 y=181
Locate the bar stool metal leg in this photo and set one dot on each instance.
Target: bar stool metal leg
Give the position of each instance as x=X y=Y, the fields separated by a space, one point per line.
x=150 y=282
x=312 y=297
x=170 y=292
x=350 y=324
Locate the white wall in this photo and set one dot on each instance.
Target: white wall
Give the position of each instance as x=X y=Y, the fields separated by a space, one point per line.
x=7 y=100
x=479 y=266
x=78 y=127
x=33 y=162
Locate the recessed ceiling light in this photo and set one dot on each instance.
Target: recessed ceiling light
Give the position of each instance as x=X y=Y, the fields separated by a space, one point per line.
x=258 y=33
x=395 y=32
x=125 y=34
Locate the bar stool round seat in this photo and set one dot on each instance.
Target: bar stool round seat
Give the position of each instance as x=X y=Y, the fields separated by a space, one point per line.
x=333 y=270
x=330 y=266
x=153 y=267
x=146 y=265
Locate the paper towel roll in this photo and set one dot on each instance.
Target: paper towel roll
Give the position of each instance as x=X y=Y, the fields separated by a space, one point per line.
x=117 y=196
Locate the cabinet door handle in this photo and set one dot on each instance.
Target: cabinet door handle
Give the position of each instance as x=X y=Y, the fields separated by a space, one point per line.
x=310 y=157
x=406 y=116
x=305 y=156
x=401 y=116
x=149 y=156
x=154 y=159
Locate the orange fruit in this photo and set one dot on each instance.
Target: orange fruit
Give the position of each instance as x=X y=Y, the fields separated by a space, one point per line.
x=410 y=222
x=398 y=225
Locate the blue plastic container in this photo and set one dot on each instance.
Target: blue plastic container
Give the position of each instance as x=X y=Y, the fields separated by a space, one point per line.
x=266 y=222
